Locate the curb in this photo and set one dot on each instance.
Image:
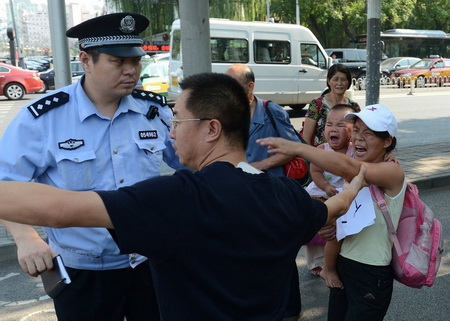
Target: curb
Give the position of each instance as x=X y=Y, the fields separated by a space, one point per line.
x=432 y=182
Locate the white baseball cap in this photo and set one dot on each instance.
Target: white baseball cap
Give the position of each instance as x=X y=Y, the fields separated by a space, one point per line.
x=377 y=117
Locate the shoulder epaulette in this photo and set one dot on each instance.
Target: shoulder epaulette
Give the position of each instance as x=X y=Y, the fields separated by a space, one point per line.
x=47 y=103
x=148 y=95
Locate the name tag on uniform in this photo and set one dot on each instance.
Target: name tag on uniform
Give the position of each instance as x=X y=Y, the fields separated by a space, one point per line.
x=148 y=134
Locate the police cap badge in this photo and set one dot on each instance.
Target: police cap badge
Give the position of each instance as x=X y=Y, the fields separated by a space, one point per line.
x=115 y=34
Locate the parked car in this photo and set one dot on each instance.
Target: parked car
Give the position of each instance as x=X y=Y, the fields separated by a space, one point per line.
x=354 y=59
x=155 y=75
x=16 y=82
x=33 y=65
x=390 y=65
x=43 y=62
x=48 y=77
x=425 y=71
x=76 y=68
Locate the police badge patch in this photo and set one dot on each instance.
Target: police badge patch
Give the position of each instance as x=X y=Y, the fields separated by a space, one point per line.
x=127 y=24
x=71 y=144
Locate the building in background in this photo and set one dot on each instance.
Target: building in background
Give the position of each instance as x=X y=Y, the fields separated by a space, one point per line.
x=32 y=25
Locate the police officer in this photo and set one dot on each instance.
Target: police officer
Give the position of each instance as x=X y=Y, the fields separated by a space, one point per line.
x=98 y=134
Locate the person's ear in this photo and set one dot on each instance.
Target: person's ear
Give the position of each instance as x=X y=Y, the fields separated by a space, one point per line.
x=85 y=59
x=214 y=129
x=387 y=142
x=251 y=87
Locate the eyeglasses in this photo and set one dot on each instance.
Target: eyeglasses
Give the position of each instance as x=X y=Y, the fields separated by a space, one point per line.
x=174 y=122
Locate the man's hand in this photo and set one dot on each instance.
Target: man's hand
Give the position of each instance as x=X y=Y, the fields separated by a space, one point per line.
x=358 y=181
x=339 y=204
x=328 y=232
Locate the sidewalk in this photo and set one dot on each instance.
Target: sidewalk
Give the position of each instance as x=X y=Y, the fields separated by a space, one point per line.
x=427 y=166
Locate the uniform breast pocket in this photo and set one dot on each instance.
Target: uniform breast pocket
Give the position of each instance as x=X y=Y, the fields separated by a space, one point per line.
x=77 y=169
x=150 y=157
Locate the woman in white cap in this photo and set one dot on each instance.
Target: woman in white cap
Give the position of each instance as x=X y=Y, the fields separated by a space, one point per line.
x=363 y=263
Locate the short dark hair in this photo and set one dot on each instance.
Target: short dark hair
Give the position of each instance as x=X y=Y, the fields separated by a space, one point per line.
x=385 y=135
x=94 y=53
x=339 y=68
x=219 y=96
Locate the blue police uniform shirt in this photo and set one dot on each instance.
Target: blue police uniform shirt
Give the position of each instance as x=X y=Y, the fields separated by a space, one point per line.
x=261 y=127
x=74 y=147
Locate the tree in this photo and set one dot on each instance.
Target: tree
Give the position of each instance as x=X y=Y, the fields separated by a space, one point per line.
x=434 y=15
x=245 y=10
x=336 y=23
x=161 y=13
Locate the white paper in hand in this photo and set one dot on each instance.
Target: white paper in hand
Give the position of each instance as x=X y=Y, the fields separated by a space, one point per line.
x=360 y=215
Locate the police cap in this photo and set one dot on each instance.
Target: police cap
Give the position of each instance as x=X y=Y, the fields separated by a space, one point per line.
x=115 y=34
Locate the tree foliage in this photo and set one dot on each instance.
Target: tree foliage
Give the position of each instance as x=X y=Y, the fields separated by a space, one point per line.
x=336 y=23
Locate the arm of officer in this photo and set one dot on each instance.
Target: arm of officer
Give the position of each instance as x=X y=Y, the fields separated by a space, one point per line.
x=50 y=206
x=33 y=253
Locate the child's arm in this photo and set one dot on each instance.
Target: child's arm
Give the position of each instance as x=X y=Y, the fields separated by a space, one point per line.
x=317 y=175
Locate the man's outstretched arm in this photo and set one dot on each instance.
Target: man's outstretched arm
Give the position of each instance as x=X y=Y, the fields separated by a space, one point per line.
x=339 y=204
x=38 y=204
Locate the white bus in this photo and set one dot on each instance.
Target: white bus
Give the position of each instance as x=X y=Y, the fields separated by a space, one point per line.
x=289 y=63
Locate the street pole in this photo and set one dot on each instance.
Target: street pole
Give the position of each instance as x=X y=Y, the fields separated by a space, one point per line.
x=18 y=51
x=297 y=12
x=268 y=10
x=60 y=47
x=373 y=52
x=12 y=45
x=195 y=39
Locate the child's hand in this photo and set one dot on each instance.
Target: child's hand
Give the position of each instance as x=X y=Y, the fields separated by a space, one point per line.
x=330 y=190
x=390 y=157
x=280 y=145
x=328 y=232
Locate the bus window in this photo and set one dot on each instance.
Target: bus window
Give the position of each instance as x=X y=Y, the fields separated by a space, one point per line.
x=176 y=45
x=227 y=50
x=272 y=51
x=412 y=43
x=311 y=55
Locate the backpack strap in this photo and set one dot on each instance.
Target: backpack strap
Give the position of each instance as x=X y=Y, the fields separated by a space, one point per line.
x=377 y=195
x=274 y=125
x=319 y=102
x=269 y=114
x=319 y=107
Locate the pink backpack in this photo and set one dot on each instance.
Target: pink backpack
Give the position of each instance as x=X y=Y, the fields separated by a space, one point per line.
x=418 y=241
